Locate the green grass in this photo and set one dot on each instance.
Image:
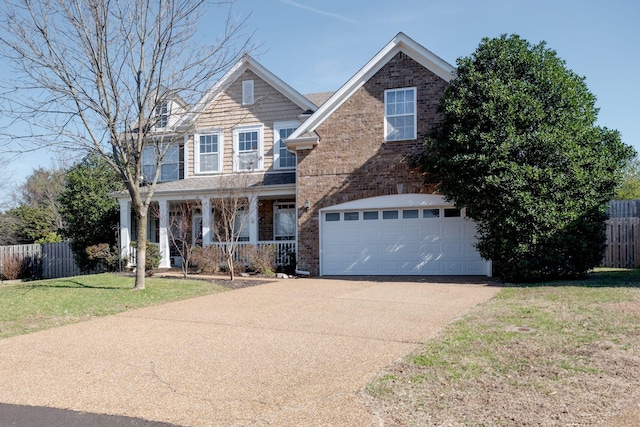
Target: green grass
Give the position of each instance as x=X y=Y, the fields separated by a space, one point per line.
x=33 y=306
x=564 y=316
x=578 y=331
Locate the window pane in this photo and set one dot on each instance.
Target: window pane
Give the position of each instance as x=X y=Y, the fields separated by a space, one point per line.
x=209 y=163
x=208 y=143
x=431 y=213
x=248 y=141
x=451 y=212
x=389 y=214
x=410 y=213
x=333 y=216
x=367 y=216
x=284 y=224
x=351 y=216
x=286 y=158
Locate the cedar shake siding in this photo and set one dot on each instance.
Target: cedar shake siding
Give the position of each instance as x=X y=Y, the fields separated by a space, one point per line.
x=352 y=161
x=227 y=112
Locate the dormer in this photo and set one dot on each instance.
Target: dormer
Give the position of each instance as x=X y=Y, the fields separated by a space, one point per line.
x=168 y=110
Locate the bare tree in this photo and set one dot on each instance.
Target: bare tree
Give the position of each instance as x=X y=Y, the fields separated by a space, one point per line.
x=183 y=236
x=232 y=214
x=92 y=75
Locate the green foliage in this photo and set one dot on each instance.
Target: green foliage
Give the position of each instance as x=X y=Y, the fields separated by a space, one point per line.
x=629 y=187
x=519 y=147
x=153 y=257
x=90 y=214
x=35 y=224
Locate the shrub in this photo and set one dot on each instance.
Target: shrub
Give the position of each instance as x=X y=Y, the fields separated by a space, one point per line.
x=12 y=267
x=261 y=259
x=207 y=259
x=153 y=256
x=107 y=258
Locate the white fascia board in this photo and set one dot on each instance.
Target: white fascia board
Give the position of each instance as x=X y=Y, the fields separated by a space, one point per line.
x=187 y=194
x=400 y=43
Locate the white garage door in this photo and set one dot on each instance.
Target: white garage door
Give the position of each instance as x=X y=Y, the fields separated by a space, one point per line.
x=398 y=235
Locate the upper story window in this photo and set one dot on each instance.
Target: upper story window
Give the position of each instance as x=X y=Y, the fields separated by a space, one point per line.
x=247 y=92
x=247 y=146
x=400 y=114
x=162 y=114
x=208 y=152
x=169 y=166
x=283 y=158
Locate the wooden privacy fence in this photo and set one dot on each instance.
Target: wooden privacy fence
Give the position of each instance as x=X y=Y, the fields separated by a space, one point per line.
x=49 y=260
x=622 y=243
x=623 y=235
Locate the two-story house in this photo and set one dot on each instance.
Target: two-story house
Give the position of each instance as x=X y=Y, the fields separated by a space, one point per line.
x=331 y=176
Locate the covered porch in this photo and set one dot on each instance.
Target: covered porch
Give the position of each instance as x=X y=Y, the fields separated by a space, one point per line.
x=263 y=215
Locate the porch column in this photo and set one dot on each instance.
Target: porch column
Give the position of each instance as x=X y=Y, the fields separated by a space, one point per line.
x=165 y=262
x=125 y=228
x=253 y=219
x=207 y=235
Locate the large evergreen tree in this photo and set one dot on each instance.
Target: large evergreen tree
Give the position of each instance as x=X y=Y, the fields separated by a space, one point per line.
x=520 y=149
x=90 y=214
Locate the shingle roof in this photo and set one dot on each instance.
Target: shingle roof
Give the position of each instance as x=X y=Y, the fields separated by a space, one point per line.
x=211 y=184
x=318 y=98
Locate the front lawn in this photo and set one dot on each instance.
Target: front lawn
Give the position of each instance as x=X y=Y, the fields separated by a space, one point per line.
x=552 y=354
x=33 y=306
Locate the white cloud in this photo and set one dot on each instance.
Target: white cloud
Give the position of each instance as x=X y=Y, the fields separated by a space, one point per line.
x=318 y=11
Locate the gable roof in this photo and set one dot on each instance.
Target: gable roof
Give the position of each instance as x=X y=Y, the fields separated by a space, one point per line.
x=304 y=135
x=245 y=63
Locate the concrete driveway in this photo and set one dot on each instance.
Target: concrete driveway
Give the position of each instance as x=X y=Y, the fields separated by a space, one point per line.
x=291 y=352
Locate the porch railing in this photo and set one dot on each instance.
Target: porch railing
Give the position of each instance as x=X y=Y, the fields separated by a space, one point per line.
x=285 y=249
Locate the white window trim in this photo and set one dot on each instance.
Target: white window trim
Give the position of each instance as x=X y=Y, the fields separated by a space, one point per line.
x=252 y=128
x=248 y=95
x=196 y=151
x=277 y=126
x=415 y=113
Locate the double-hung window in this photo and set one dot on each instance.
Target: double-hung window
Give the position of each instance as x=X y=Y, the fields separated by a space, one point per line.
x=283 y=158
x=208 y=152
x=284 y=221
x=400 y=114
x=247 y=146
x=169 y=166
x=162 y=114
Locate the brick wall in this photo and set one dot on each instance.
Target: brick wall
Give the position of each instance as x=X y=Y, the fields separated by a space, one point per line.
x=352 y=161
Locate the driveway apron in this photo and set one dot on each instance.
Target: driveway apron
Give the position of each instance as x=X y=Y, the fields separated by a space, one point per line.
x=290 y=352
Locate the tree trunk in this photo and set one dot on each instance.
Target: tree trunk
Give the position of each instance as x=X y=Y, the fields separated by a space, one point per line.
x=141 y=256
x=230 y=264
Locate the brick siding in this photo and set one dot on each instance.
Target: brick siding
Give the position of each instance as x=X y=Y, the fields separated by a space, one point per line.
x=352 y=161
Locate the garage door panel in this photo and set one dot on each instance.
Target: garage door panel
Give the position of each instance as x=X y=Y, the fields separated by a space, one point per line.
x=403 y=246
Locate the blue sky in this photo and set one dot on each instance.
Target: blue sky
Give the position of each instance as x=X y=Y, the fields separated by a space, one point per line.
x=317 y=45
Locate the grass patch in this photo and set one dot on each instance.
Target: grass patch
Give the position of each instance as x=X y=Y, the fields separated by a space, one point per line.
x=526 y=356
x=33 y=306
